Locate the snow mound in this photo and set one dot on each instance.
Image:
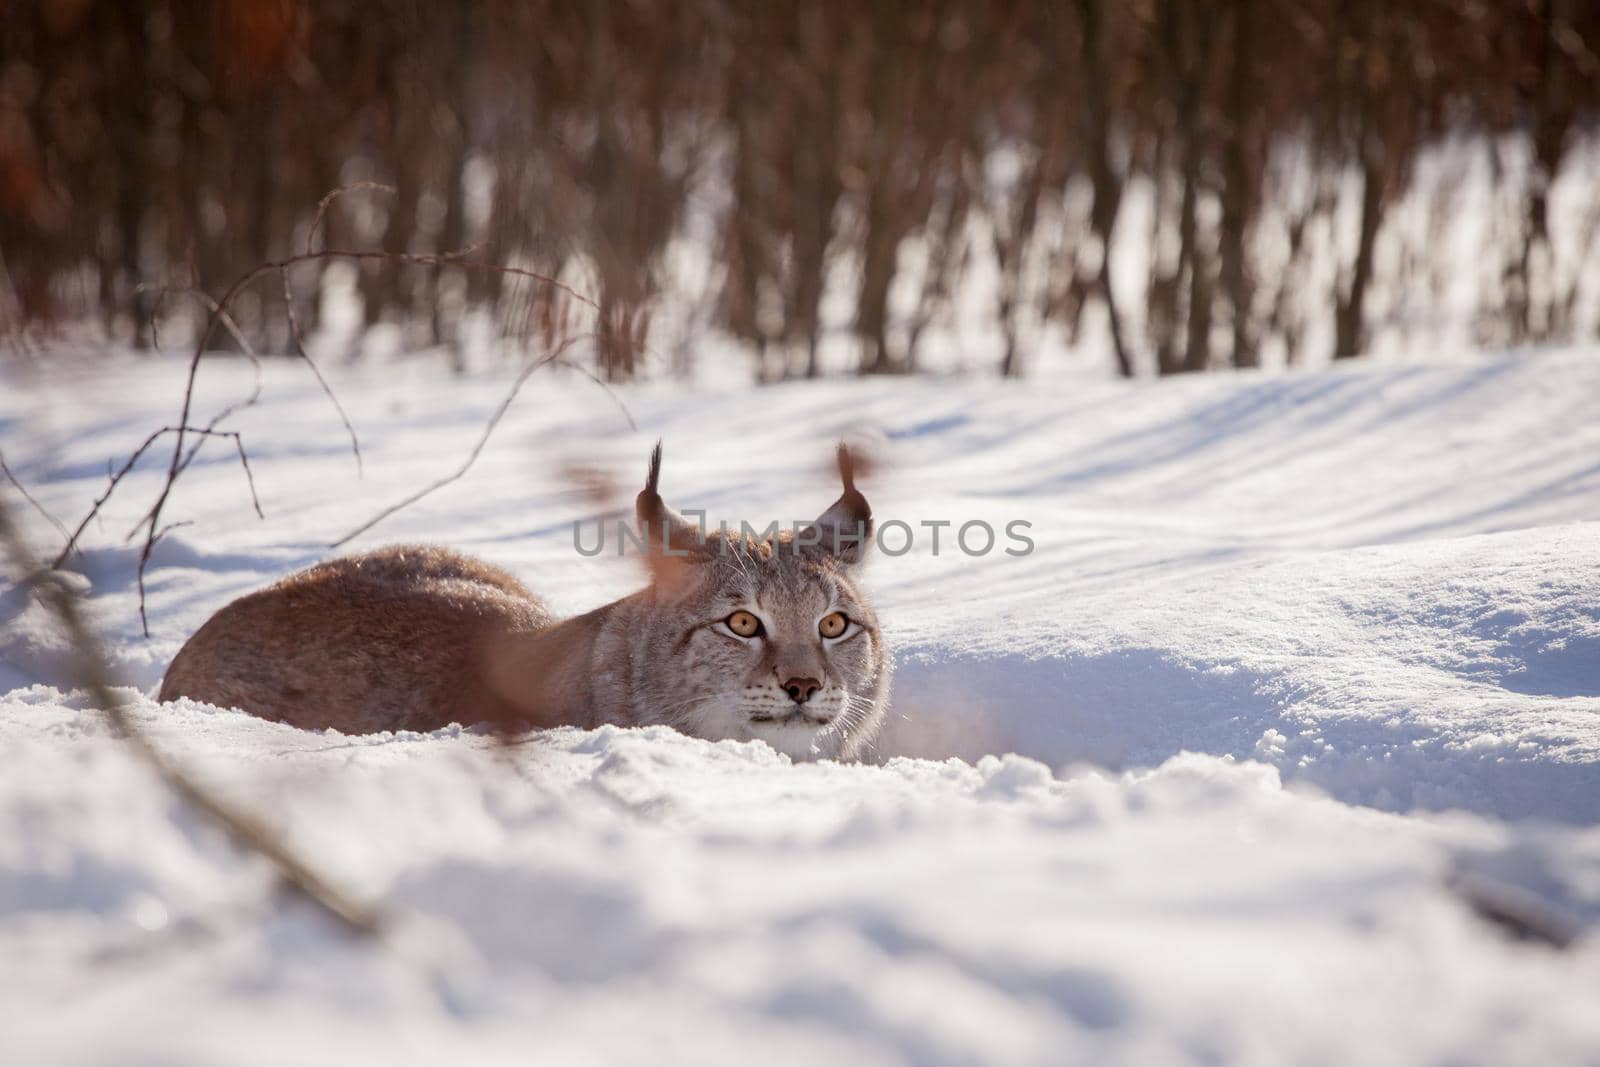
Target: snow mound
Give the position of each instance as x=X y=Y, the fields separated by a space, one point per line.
x=639 y=896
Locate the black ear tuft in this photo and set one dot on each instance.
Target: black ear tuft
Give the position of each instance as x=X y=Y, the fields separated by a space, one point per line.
x=666 y=535
x=654 y=477
x=648 y=506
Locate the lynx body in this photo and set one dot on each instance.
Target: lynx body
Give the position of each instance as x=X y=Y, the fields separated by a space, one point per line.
x=735 y=637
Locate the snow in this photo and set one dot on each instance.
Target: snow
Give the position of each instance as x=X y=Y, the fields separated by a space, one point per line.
x=1300 y=668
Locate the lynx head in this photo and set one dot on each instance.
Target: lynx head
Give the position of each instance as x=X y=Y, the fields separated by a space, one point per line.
x=762 y=635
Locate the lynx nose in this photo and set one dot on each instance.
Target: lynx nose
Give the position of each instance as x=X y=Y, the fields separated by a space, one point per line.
x=800 y=690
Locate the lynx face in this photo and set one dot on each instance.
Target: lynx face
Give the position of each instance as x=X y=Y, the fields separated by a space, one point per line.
x=777 y=644
x=767 y=640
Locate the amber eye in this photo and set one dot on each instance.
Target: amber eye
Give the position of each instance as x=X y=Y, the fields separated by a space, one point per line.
x=833 y=625
x=743 y=623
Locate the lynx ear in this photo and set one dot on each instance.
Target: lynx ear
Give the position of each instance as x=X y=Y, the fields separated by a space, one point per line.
x=844 y=531
x=668 y=537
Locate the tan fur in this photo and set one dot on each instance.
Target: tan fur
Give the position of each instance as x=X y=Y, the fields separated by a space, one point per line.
x=390 y=640
x=418 y=637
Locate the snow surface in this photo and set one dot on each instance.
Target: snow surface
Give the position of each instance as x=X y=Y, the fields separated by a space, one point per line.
x=1299 y=664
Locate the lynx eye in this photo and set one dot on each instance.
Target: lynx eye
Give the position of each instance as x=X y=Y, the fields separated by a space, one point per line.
x=743 y=623
x=833 y=625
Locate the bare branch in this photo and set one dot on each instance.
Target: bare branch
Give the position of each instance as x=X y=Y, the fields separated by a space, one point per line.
x=40 y=508
x=244 y=461
x=116 y=477
x=603 y=384
x=153 y=534
x=334 y=194
x=244 y=346
x=94 y=674
x=483 y=439
x=300 y=347
x=228 y=323
x=151 y=522
x=111 y=487
x=169 y=527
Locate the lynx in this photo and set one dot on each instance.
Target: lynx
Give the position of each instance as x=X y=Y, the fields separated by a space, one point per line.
x=736 y=636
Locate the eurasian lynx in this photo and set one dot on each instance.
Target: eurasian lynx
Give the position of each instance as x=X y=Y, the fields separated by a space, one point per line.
x=736 y=636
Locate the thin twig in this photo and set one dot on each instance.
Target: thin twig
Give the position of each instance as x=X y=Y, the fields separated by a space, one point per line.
x=244 y=461
x=243 y=342
x=334 y=194
x=246 y=831
x=154 y=535
x=300 y=347
x=151 y=523
x=244 y=346
x=205 y=433
x=169 y=527
x=604 y=385
x=40 y=508
x=111 y=487
x=463 y=252
x=483 y=439
x=116 y=477
x=228 y=324
x=232 y=327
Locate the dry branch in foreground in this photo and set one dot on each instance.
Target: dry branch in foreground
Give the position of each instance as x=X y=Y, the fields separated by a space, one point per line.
x=91 y=670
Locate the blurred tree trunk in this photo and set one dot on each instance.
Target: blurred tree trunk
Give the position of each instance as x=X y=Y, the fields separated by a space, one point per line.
x=1357 y=97
x=880 y=244
x=814 y=165
x=123 y=56
x=1013 y=235
x=1189 y=44
x=1350 y=314
x=1161 y=291
x=1539 y=313
x=1239 y=182
x=1102 y=175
